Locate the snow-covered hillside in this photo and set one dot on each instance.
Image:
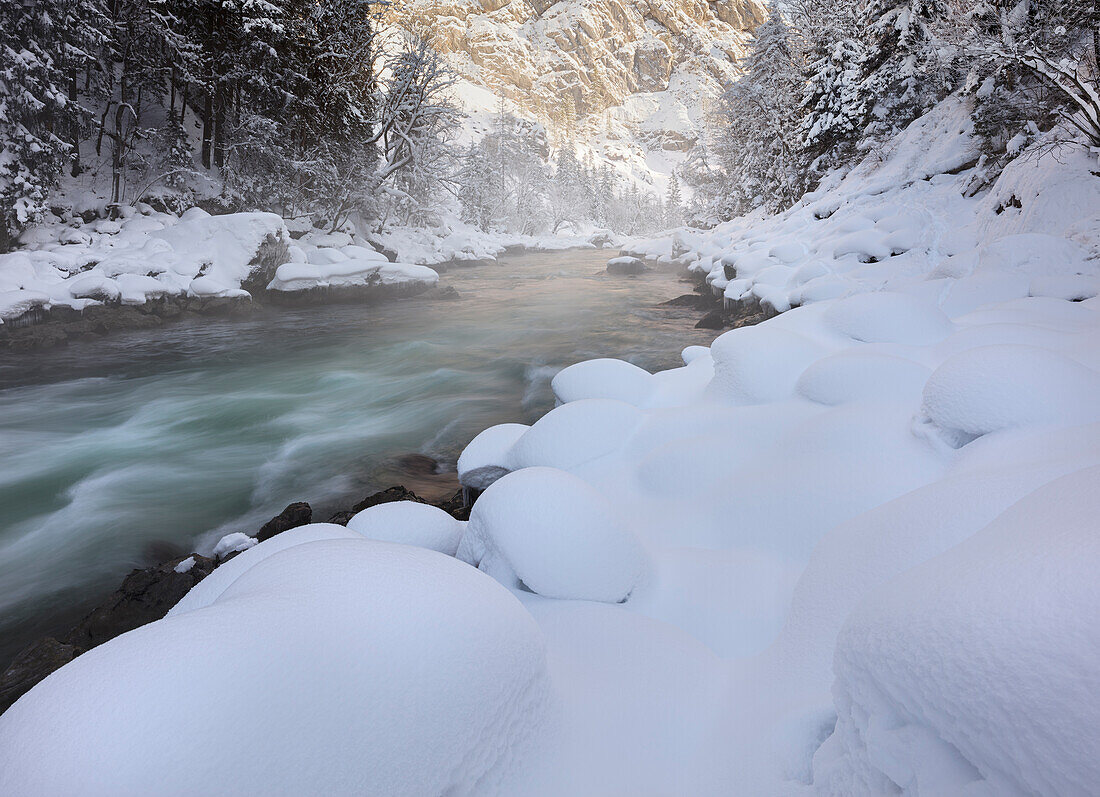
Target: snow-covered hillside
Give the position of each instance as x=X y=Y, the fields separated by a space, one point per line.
x=849 y=551
x=629 y=82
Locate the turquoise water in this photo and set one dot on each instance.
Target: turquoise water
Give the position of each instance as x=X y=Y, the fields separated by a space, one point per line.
x=182 y=434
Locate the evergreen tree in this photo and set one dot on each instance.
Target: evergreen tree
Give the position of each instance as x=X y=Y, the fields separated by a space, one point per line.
x=674 y=214
x=758 y=148
x=905 y=71
x=835 y=108
x=32 y=102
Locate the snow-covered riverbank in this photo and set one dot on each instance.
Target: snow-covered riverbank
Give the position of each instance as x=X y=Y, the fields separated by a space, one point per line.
x=850 y=550
x=87 y=277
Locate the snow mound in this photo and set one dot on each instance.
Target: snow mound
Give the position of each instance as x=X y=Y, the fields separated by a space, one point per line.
x=760 y=364
x=575 y=433
x=889 y=318
x=557 y=535
x=989 y=388
x=344 y=666
x=485 y=459
x=862 y=376
x=977 y=672
x=252 y=553
x=410 y=523
x=604 y=378
x=233 y=543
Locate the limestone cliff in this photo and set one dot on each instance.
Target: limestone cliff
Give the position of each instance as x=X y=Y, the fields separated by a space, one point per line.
x=627 y=78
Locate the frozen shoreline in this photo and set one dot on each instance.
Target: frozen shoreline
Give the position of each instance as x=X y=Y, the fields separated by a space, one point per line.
x=150 y=268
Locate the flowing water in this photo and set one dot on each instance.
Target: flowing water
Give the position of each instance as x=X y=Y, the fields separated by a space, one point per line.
x=185 y=433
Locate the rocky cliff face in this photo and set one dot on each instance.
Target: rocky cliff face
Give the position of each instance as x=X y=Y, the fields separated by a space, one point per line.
x=627 y=77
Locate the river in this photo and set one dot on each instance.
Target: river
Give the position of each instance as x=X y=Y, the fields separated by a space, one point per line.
x=111 y=448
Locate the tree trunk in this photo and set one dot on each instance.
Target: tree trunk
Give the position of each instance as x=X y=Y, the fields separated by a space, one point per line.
x=219 y=128
x=75 y=124
x=207 y=130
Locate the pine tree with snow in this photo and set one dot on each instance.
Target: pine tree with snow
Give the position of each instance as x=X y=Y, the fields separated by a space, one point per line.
x=905 y=69
x=673 y=210
x=567 y=194
x=834 y=104
x=757 y=144
x=32 y=104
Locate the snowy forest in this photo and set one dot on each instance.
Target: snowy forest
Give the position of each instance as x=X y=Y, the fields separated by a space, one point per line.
x=319 y=110
x=829 y=81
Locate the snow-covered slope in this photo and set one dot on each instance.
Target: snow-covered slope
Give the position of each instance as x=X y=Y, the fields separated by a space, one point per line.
x=629 y=81
x=902 y=220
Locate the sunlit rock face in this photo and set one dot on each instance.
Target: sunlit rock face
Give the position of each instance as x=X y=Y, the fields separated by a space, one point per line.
x=638 y=74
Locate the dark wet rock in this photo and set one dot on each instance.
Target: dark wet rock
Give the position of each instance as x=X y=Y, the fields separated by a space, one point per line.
x=418 y=464
x=694 y=301
x=715 y=319
x=382 y=249
x=398 y=493
x=625 y=265
x=159 y=551
x=341 y=518
x=445 y=292
x=271 y=254
x=456 y=506
x=34 y=663
x=297 y=514
x=145 y=595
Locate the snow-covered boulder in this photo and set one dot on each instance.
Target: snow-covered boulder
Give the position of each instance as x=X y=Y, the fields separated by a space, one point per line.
x=250 y=553
x=884 y=317
x=333 y=667
x=237 y=250
x=15 y=303
x=575 y=433
x=350 y=274
x=977 y=672
x=556 y=534
x=604 y=378
x=486 y=458
x=856 y=375
x=760 y=364
x=410 y=523
x=989 y=388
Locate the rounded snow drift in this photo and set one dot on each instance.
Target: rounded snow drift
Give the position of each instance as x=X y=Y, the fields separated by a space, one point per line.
x=886 y=317
x=210 y=588
x=989 y=388
x=856 y=375
x=760 y=364
x=575 y=433
x=603 y=379
x=333 y=667
x=557 y=535
x=410 y=523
